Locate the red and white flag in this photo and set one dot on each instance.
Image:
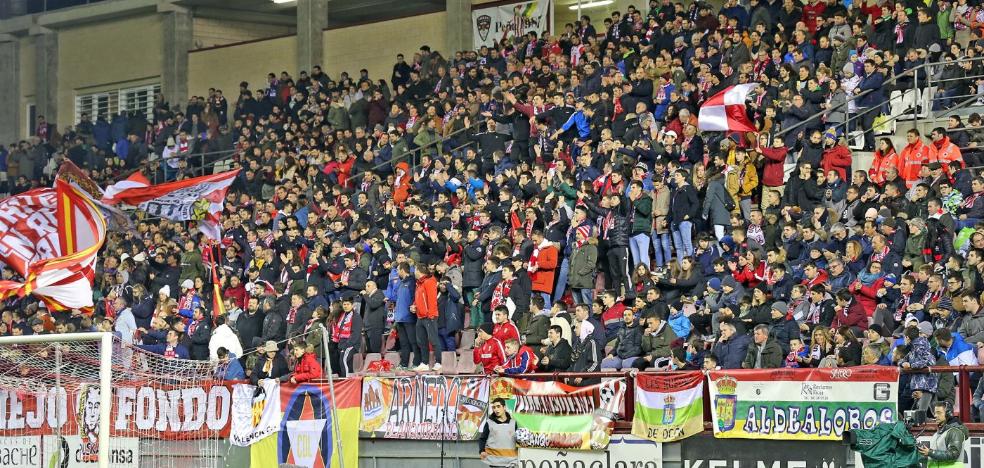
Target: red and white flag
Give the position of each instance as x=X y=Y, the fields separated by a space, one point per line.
x=50 y=237
x=199 y=199
x=725 y=111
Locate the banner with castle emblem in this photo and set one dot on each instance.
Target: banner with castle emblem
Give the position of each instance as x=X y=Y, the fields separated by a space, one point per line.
x=668 y=406
x=494 y=24
x=801 y=404
x=424 y=407
x=555 y=415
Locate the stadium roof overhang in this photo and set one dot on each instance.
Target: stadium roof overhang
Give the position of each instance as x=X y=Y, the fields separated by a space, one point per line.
x=341 y=13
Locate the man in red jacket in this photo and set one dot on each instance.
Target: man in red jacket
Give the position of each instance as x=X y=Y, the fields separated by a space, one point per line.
x=425 y=308
x=850 y=313
x=542 y=264
x=488 y=352
x=504 y=329
x=836 y=155
x=773 y=169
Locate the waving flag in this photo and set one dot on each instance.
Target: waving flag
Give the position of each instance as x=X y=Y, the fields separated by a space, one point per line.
x=50 y=237
x=116 y=219
x=725 y=111
x=199 y=199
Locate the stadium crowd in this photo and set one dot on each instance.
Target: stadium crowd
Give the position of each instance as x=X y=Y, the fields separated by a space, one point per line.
x=549 y=204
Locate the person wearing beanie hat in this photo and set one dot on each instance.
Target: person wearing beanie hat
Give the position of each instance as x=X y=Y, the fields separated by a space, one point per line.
x=836 y=155
x=583 y=264
x=783 y=328
x=714 y=284
x=489 y=352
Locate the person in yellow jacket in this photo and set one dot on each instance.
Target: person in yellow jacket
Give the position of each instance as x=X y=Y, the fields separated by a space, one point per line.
x=741 y=180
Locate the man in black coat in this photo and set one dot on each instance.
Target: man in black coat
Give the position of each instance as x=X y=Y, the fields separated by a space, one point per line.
x=374 y=311
x=684 y=209
x=249 y=325
x=270 y=365
x=274 y=328
x=483 y=297
x=199 y=333
x=557 y=357
x=353 y=279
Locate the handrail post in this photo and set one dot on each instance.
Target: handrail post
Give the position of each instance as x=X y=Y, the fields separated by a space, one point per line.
x=964 y=397
x=916 y=99
x=629 y=396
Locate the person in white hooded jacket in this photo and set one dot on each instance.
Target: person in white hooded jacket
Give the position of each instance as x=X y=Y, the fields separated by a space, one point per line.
x=223 y=337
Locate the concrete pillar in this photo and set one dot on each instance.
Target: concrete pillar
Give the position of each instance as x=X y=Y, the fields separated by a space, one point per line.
x=10 y=93
x=46 y=77
x=312 y=19
x=459 y=19
x=176 y=41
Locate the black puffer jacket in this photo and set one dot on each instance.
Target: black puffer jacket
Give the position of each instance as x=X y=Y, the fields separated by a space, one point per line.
x=618 y=234
x=471 y=265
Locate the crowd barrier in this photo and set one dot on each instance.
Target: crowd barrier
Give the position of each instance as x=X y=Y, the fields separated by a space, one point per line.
x=554 y=412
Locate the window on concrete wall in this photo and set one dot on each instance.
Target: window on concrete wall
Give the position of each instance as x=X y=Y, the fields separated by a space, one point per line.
x=108 y=103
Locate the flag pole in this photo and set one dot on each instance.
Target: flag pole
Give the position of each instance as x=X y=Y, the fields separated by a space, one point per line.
x=336 y=434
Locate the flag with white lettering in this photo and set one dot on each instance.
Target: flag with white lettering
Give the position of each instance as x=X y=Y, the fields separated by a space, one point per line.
x=555 y=415
x=199 y=199
x=50 y=237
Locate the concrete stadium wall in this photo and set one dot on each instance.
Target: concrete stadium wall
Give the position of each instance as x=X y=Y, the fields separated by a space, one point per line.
x=211 y=32
x=224 y=67
x=27 y=79
x=109 y=55
x=374 y=46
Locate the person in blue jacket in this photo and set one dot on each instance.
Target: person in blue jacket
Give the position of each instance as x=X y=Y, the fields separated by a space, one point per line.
x=229 y=367
x=403 y=295
x=873 y=95
x=579 y=119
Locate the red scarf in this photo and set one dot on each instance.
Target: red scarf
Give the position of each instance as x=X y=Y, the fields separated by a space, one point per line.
x=342 y=329
x=500 y=293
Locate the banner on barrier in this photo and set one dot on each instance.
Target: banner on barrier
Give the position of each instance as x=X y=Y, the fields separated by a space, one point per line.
x=555 y=415
x=154 y=411
x=256 y=412
x=424 y=407
x=68 y=452
x=495 y=24
x=623 y=452
x=20 y=452
x=801 y=404
x=668 y=407
x=307 y=435
x=704 y=451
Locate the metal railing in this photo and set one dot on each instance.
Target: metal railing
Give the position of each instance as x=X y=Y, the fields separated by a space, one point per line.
x=209 y=160
x=914 y=111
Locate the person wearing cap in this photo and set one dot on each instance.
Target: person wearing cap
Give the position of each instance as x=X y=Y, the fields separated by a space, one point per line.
x=489 y=352
x=782 y=327
x=836 y=155
x=270 y=364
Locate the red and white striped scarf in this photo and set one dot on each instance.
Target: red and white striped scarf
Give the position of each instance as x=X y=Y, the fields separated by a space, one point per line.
x=500 y=293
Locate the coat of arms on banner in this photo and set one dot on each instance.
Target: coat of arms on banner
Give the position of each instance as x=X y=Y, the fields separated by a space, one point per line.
x=726 y=403
x=484 y=25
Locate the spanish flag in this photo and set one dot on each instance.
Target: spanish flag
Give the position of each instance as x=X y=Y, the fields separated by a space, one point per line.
x=307 y=435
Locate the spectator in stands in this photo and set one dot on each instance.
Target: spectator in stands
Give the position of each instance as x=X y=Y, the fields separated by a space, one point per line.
x=346 y=334
x=270 y=364
x=228 y=367
x=223 y=336
x=919 y=356
x=520 y=359
x=628 y=343
x=657 y=341
x=557 y=357
x=489 y=352
x=171 y=348
x=308 y=368
x=763 y=353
